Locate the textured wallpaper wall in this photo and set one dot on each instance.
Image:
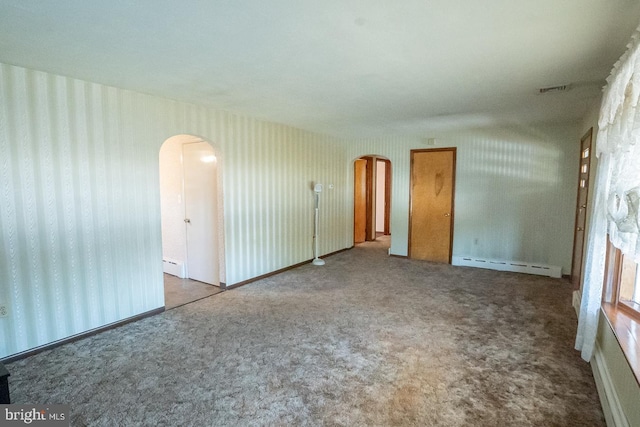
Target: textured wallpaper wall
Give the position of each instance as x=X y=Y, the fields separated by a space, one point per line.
x=515 y=189
x=80 y=203
x=80 y=206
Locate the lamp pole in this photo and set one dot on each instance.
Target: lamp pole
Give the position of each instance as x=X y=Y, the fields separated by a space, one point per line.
x=316 y=261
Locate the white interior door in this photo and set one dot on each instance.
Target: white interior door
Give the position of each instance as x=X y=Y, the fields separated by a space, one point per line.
x=200 y=203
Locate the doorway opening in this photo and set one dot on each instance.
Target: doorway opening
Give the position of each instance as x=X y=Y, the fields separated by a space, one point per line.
x=191 y=219
x=372 y=200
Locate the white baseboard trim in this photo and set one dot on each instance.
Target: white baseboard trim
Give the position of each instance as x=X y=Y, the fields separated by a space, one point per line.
x=505 y=265
x=611 y=407
x=576 y=302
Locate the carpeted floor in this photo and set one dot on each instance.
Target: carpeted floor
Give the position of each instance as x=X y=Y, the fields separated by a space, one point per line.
x=366 y=340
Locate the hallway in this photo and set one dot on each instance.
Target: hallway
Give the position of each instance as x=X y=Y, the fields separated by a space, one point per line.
x=179 y=291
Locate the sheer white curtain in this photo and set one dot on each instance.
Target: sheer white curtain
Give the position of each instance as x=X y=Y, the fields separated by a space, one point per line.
x=617 y=187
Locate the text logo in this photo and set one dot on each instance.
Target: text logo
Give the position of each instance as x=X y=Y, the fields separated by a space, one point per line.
x=34 y=415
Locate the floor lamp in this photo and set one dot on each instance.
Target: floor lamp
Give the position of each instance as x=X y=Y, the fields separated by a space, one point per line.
x=316 y=261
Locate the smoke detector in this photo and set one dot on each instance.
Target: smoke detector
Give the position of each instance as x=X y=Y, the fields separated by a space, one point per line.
x=553 y=89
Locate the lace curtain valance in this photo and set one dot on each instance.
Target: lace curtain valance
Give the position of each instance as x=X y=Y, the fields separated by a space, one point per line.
x=619 y=139
x=617 y=187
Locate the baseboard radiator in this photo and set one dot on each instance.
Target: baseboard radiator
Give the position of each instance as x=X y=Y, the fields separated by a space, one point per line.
x=611 y=406
x=173 y=267
x=514 y=266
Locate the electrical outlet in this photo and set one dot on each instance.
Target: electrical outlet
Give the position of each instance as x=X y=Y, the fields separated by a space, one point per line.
x=4 y=310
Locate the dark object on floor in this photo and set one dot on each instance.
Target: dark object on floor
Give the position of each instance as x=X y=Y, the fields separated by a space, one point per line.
x=4 y=385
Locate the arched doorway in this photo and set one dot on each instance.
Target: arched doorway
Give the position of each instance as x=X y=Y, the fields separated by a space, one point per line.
x=372 y=198
x=191 y=216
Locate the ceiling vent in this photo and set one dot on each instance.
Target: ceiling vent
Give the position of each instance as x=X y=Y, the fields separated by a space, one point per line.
x=554 y=89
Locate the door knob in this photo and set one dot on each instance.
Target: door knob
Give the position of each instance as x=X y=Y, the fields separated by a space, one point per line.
x=187 y=220
x=447 y=214
x=580 y=229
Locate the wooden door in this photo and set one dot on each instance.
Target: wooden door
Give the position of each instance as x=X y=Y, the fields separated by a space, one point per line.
x=387 y=198
x=581 y=209
x=431 y=204
x=360 y=201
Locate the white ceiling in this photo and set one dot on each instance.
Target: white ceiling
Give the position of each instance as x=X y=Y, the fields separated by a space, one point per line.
x=342 y=67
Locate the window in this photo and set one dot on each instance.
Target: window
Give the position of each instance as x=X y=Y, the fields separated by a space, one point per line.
x=621 y=304
x=629 y=293
x=622 y=286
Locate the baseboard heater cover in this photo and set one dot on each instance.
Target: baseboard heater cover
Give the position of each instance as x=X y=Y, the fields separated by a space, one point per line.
x=609 y=398
x=173 y=267
x=513 y=266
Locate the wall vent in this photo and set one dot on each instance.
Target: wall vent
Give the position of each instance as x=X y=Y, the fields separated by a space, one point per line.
x=552 y=89
x=514 y=266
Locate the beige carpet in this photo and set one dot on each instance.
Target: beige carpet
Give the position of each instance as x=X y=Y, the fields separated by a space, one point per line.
x=366 y=340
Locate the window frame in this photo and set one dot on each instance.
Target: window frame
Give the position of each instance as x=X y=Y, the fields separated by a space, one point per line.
x=613 y=281
x=623 y=319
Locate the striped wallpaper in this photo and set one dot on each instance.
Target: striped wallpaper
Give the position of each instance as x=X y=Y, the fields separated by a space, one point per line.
x=80 y=205
x=515 y=190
